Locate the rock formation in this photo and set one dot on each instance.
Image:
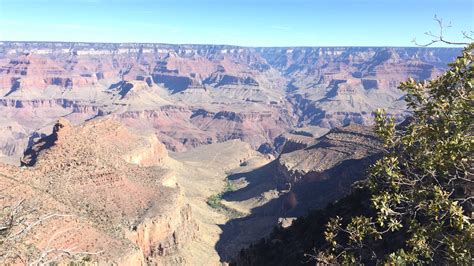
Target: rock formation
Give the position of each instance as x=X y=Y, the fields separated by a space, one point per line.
x=191 y=95
x=112 y=196
x=324 y=170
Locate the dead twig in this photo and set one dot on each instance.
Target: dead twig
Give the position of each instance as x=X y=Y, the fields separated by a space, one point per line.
x=439 y=38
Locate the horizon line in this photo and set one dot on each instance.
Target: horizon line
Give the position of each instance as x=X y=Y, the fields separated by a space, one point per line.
x=240 y=46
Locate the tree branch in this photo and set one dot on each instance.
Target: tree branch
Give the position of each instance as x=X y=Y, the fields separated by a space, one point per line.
x=439 y=38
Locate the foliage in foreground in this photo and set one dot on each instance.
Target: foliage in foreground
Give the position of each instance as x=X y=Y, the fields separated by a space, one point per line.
x=422 y=188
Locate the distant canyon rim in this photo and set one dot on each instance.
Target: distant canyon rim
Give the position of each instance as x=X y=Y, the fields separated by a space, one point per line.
x=191 y=95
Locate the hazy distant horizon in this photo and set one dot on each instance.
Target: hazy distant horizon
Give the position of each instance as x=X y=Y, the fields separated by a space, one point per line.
x=257 y=23
x=442 y=45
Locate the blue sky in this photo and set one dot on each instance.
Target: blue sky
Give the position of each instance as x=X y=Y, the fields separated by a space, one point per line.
x=238 y=22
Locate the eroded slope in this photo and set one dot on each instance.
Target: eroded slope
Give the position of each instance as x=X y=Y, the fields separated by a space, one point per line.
x=192 y=95
x=111 y=189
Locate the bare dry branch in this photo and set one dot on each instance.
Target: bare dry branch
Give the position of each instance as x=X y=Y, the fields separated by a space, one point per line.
x=439 y=38
x=39 y=221
x=62 y=252
x=16 y=223
x=468 y=35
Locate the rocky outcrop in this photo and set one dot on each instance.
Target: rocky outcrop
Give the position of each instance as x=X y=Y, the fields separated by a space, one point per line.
x=298 y=139
x=117 y=181
x=162 y=238
x=74 y=106
x=60 y=131
x=325 y=169
x=294 y=142
x=218 y=79
x=352 y=142
x=154 y=153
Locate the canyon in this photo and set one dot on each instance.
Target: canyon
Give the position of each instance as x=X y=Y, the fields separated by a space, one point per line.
x=186 y=154
x=107 y=193
x=191 y=95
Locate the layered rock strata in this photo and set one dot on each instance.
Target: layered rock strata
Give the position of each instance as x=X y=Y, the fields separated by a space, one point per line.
x=112 y=190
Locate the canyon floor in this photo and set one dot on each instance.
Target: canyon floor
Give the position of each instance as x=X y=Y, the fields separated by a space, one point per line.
x=203 y=172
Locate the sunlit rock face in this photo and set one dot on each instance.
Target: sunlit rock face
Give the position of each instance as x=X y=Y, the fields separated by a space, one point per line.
x=190 y=95
x=113 y=187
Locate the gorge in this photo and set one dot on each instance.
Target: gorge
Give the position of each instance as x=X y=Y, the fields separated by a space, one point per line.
x=186 y=154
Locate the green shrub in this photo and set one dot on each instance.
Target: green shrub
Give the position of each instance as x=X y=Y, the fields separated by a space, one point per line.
x=422 y=188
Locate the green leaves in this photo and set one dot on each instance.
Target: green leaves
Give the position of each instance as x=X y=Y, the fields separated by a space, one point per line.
x=385 y=127
x=422 y=187
x=332 y=229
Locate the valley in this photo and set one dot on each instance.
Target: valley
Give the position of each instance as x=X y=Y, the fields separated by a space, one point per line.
x=118 y=185
x=191 y=95
x=187 y=154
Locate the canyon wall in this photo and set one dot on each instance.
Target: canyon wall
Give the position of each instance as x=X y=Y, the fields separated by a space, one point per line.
x=191 y=95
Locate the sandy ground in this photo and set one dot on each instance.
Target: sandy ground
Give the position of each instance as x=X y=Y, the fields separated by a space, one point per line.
x=202 y=172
